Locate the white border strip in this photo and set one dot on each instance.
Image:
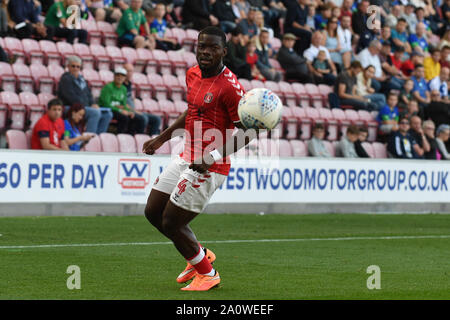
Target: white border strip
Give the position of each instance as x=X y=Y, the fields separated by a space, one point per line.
x=226 y=241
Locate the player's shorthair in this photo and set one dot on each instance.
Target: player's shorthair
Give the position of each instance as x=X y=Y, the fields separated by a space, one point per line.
x=215 y=31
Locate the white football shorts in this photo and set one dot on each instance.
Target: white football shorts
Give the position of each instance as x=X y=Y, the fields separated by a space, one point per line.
x=188 y=189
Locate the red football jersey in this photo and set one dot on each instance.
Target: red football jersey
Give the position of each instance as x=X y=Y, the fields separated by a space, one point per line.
x=46 y=128
x=212 y=112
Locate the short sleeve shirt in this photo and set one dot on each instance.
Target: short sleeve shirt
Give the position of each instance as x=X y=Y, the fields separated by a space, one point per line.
x=46 y=128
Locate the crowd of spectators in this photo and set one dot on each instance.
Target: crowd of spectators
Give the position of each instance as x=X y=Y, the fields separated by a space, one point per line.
x=393 y=60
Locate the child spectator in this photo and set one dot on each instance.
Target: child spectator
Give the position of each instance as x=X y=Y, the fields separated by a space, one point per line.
x=321 y=65
x=316 y=147
x=362 y=137
x=346 y=147
x=405 y=95
x=389 y=115
x=73 y=128
x=158 y=27
x=321 y=19
x=252 y=59
x=310 y=22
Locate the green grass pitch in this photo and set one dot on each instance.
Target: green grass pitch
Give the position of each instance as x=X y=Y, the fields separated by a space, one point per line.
x=414 y=263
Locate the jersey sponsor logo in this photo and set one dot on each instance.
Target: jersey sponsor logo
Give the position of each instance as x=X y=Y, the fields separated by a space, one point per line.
x=208 y=98
x=134 y=173
x=182 y=186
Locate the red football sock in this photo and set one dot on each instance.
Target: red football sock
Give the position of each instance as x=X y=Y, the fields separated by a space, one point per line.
x=200 y=262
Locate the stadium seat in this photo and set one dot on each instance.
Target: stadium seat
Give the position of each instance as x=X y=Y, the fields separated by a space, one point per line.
x=150 y=105
x=179 y=65
x=316 y=98
x=109 y=35
x=369 y=149
x=151 y=65
x=140 y=139
x=106 y=76
x=176 y=145
x=331 y=147
x=43 y=82
x=3 y=117
x=304 y=100
x=269 y=147
x=143 y=88
x=180 y=106
x=190 y=40
x=164 y=63
x=169 y=109
x=166 y=147
x=160 y=90
x=109 y=142
x=116 y=56
x=379 y=150
x=16 y=110
x=343 y=122
x=94 y=35
x=44 y=98
x=50 y=51
x=301 y=128
x=246 y=84
x=127 y=143
x=257 y=84
x=176 y=91
x=102 y=60
x=29 y=133
x=371 y=123
x=65 y=49
x=23 y=76
x=190 y=59
x=130 y=54
x=299 y=148
x=332 y=125
x=94 y=81
x=33 y=51
x=16 y=139
x=313 y=114
x=94 y=145
x=138 y=105
x=84 y=52
x=55 y=72
x=7 y=77
x=353 y=116
x=274 y=87
x=325 y=90
x=178 y=34
x=275 y=43
x=290 y=98
x=15 y=48
x=285 y=148
x=34 y=113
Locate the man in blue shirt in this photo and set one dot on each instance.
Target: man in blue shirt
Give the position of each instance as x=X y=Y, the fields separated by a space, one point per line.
x=399 y=36
x=248 y=26
x=24 y=15
x=401 y=144
x=420 y=90
x=418 y=40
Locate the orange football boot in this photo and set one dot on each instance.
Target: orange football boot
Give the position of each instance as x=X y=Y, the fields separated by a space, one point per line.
x=203 y=282
x=189 y=272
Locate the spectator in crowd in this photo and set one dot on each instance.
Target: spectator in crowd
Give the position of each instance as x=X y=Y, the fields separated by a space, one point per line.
x=345 y=39
x=311 y=53
x=410 y=17
x=224 y=12
x=370 y=34
x=252 y=59
x=322 y=66
x=114 y=96
x=73 y=88
x=438 y=110
x=359 y=17
x=248 y=25
x=393 y=17
x=417 y=40
x=310 y=17
x=260 y=24
x=129 y=26
x=56 y=19
x=420 y=90
x=325 y=13
x=74 y=127
x=25 y=20
x=158 y=29
x=365 y=90
x=346 y=146
x=439 y=83
x=346 y=9
x=235 y=59
x=400 y=36
x=198 y=14
x=445 y=55
x=294 y=64
x=370 y=56
x=103 y=10
x=270 y=13
x=428 y=129
x=386 y=35
x=388 y=116
x=412 y=109
x=420 y=15
x=345 y=88
x=405 y=95
x=333 y=42
x=394 y=76
x=263 y=62
x=316 y=147
x=241 y=8
x=409 y=65
x=418 y=135
x=432 y=65
x=362 y=137
x=143 y=119
x=297 y=12
x=48 y=132
x=400 y=143
x=5 y=21
x=442 y=136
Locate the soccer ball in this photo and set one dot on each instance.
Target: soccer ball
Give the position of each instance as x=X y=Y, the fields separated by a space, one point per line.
x=260 y=108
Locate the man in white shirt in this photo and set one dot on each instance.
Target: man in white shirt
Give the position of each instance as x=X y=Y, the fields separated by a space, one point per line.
x=345 y=38
x=369 y=56
x=440 y=83
x=312 y=52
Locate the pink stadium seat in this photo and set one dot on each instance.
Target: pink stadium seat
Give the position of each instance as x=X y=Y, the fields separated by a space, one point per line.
x=34 y=113
x=23 y=75
x=277 y=66
x=84 y=52
x=190 y=40
x=166 y=147
x=269 y=147
x=143 y=88
x=291 y=122
x=102 y=60
x=299 y=148
x=140 y=139
x=379 y=149
x=257 y=84
x=108 y=32
x=275 y=43
x=176 y=145
x=304 y=122
x=42 y=80
x=190 y=59
x=17 y=110
x=332 y=125
x=160 y=90
x=168 y=107
x=109 y=142
x=7 y=77
x=29 y=133
x=65 y=49
x=52 y=56
x=182 y=81
x=180 y=106
x=95 y=36
x=179 y=65
x=371 y=123
x=316 y=98
x=369 y=149
x=55 y=72
x=44 y=98
x=290 y=98
x=138 y=106
x=285 y=148
x=130 y=54
x=304 y=100
x=16 y=139
x=126 y=143
x=151 y=65
x=331 y=147
x=178 y=34
x=3 y=117
x=313 y=114
x=94 y=145
x=116 y=56
x=175 y=89
x=273 y=86
x=94 y=81
x=164 y=63
x=15 y=48
x=106 y=76
x=341 y=117
x=246 y=84
x=353 y=116
x=29 y=99
x=33 y=51
x=325 y=90
x=151 y=106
